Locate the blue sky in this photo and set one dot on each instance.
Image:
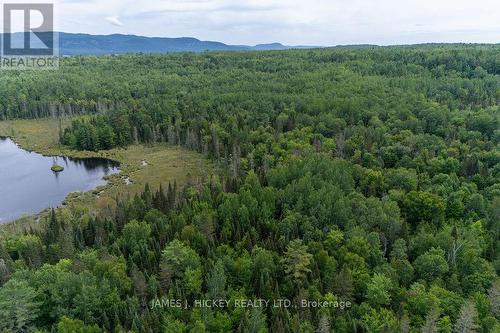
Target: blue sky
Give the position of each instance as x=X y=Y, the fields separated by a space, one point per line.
x=292 y=22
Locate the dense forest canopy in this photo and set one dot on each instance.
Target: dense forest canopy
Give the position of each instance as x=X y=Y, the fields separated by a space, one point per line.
x=363 y=175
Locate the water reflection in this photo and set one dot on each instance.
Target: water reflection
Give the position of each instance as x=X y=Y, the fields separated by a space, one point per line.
x=28 y=185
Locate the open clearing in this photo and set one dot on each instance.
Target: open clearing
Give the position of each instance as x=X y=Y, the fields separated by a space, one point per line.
x=139 y=164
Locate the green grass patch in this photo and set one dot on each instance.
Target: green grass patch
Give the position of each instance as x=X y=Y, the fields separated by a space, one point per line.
x=57 y=168
x=139 y=164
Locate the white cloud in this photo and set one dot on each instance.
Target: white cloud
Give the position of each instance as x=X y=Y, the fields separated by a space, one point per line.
x=313 y=22
x=114 y=20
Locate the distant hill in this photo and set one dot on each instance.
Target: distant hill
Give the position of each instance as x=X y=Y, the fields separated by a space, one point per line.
x=82 y=44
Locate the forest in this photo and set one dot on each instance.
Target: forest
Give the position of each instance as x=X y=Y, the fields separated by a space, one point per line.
x=357 y=190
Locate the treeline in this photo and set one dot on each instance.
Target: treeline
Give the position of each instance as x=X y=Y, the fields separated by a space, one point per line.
x=364 y=175
x=455 y=75
x=101 y=133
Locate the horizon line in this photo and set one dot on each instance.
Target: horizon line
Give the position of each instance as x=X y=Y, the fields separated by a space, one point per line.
x=264 y=43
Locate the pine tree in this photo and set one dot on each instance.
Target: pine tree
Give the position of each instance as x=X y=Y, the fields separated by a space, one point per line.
x=297 y=262
x=494 y=298
x=140 y=285
x=343 y=283
x=324 y=325
x=431 y=321
x=53 y=229
x=18 y=307
x=66 y=242
x=257 y=321
x=216 y=282
x=147 y=196
x=405 y=323
x=4 y=272
x=160 y=200
x=467 y=319
x=243 y=325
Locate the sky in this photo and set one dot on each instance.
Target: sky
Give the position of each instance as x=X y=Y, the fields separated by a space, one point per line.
x=291 y=22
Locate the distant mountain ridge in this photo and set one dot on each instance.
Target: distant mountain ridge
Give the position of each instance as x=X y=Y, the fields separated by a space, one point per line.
x=71 y=44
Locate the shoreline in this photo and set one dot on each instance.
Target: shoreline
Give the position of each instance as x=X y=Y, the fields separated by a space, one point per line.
x=62 y=152
x=47 y=153
x=153 y=164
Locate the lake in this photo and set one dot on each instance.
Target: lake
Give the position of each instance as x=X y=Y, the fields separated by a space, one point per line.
x=28 y=185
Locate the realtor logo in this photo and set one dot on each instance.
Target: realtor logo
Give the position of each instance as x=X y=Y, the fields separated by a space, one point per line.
x=35 y=47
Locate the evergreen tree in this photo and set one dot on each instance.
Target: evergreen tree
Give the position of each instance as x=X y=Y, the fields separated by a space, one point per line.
x=467 y=319
x=18 y=307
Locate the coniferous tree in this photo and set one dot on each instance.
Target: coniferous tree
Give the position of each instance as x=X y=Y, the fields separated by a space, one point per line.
x=467 y=319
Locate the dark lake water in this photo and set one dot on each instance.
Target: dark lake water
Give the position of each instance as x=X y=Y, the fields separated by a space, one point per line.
x=28 y=185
